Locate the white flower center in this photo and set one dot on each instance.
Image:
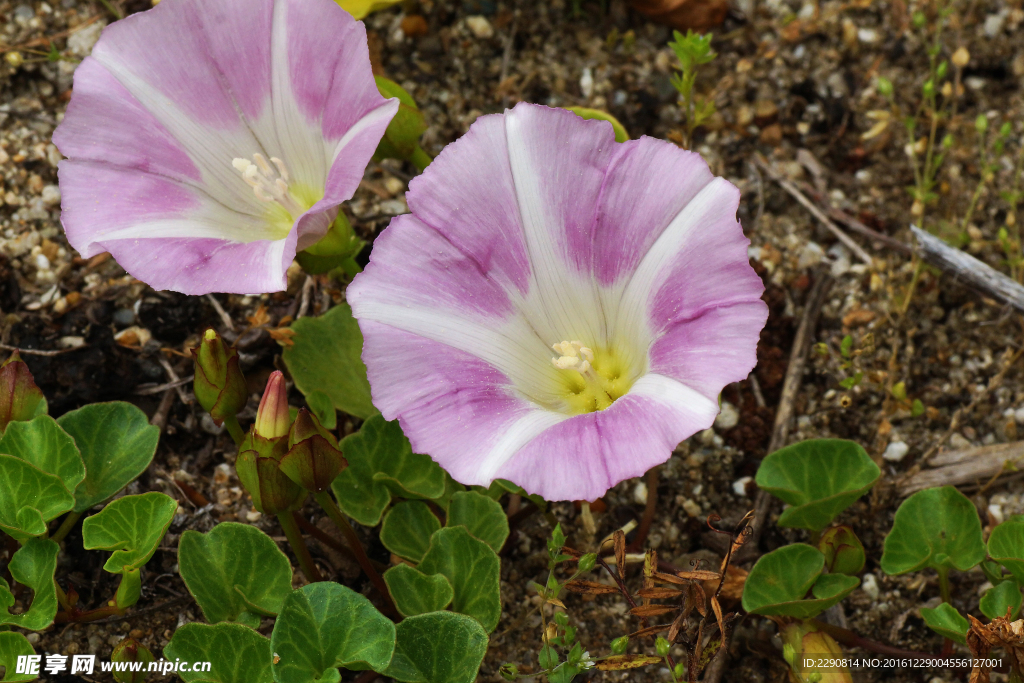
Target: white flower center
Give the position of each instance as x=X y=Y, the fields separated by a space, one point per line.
x=590 y=381
x=268 y=184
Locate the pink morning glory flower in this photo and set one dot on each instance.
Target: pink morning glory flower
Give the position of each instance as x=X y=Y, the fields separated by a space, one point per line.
x=209 y=140
x=559 y=310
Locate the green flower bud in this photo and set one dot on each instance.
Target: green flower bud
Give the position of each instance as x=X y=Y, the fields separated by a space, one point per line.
x=981 y=123
x=20 y=398
x=131 y=650
x=884 y=87
x=844 y=553
x=336 y=249
x=947 y=141
x=919 y=19
x=509 y=672
x=929 y=88
x=941 y=71
x=272 y=419
x=402 y=138
x=662 y=646
x=619 y=645
x=219 y=385
x=804 y=643
x=587 y=562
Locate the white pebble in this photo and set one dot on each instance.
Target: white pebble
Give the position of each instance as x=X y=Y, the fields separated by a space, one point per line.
x=994 y=24
x=810 y=255
x=740 y=485
x=587 y=83
x=870 y=586
x=997 y=512
x=1018 y=415
x=692 y=508
x=729 y=416
x=51 y=195
x=640 y=493
x=209 y=426
x=480 y=27
x=896 y=451
x=867 y=35
x=41 y=262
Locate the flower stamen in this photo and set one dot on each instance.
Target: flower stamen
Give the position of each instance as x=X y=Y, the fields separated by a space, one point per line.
x=267 y=184
x=594 y=388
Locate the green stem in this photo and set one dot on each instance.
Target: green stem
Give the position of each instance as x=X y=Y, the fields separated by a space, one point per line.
x=944 y=584
x=234 y=429
x=66 y=526
x=328 y=504
x=62 y=597
x=420 y=159
x=295 y=540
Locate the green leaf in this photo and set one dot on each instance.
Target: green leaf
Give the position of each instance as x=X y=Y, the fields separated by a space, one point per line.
x=620 y=131
x=997 y=599
x=1006 y=546
x=483 y=517
x=237 y=653
x=947 y=622
x=29 y=498
x=325 y=357
x=403 y=133
x=779 y=581
x=326 y=625
x=44 y=444
x=33 y=565
x=407 y=530
x=819 y=478
x=936 y=528
x=132 y=527
x=117 y=444
x=381 y=463
x=416 y=593
x=235 y=572
x=13 y=645
x=439 y=647
x=322 y=406
x=473 y=570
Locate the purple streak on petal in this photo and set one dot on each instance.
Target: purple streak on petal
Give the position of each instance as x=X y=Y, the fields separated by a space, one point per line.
x=198 y=266
x=717 y=348
x=648 y=183
x=98 y=198
x=712 y=268
x=212 y=59
x=329 y=63
x=452 y=405
x=414 y=266
x=581 y=458
x=467 y=194
x=104 y=122
x=566 y=157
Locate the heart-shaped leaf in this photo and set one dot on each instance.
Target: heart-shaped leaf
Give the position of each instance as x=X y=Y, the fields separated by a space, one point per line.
x=936 y=528
x=33 y=565
x=997 y=599
x=235 y=572
x=473 y=570
x=132 y=527
x=819 y=478
x=117 y=444
x=325 y=357
x=29 y=498
x=236 y=653
x=325 y=625
x=416 y=593
x=12 y=646
x=1006 y=546
x=43 y=443
x=407 y=529
x=439 y=647
x=381 y=463
x=779 y=582
x=947 y=622
x=482 y=516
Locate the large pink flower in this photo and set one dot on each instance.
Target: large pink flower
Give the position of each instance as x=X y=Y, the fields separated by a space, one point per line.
x=208 y=140
x=559 y=310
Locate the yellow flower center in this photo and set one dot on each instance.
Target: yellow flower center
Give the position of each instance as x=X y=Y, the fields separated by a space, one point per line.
x=285 y=199
x=590 y=380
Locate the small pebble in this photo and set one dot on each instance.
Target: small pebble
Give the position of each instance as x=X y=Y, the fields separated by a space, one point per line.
x=728 y=417
x=480 y=27
x=997 y=512
x=640 y=493
x=587 y=83
x=740 y=485
x=870 y=586
x=867 y=35
x=692 y=508
x=33 y=638
x=958 y=441
x=810 y=255
x=123 y=317
x=207 y=424
x=253 y=516
x=896 y=451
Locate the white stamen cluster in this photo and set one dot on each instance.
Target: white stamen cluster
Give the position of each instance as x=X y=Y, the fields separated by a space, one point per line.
x=573 y=355
x=267 y=184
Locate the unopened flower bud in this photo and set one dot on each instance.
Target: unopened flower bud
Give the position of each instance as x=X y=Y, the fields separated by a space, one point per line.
x=661 y=646
x=619 y=645
x=20 y=398
x=272 y=419
x=314 y=459
x=509 y=672
x=219 y=384
x=961 y=57
x=844 y=553
x=884 y=87
x=942 y=70
x=587 y=562
x=131 y=650
x=981 y=123
x=806 y=648
x=14 y=58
